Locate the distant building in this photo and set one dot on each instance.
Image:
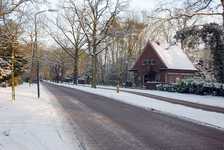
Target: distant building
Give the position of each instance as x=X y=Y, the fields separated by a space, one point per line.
x=162 y=62
x=204 y=72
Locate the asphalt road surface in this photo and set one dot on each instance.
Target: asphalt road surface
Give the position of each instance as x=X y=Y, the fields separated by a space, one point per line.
x=101 y=123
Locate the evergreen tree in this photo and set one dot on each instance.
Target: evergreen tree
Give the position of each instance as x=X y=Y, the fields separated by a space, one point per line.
x=6 y=57
x=212 y=36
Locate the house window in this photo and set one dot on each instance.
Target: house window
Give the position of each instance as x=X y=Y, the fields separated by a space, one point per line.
x=171 y=79
x=158 y=78
x=183 y=77
x=153 y=61
x=144 y=61
x=148 y=61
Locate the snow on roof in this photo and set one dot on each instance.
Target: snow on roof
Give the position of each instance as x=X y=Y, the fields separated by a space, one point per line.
x=173 y=57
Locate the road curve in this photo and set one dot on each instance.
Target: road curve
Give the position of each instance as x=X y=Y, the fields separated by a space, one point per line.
x=101 y=123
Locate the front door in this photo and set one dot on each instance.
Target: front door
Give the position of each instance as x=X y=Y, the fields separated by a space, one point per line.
x=145 y=78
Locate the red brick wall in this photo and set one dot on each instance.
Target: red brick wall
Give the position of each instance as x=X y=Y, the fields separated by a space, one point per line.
x=177 y=75
x=149 y=53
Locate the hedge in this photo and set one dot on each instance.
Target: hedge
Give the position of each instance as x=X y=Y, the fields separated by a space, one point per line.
x=194 y=86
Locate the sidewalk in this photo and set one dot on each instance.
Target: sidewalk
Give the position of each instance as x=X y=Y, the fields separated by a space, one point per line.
x=30 y=122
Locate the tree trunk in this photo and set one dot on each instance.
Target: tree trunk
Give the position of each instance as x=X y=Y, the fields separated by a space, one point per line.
x=50 y=75
x=94 y=57
x=104 y=66
x=94 y=71
x=31 y=65
x=57 y=76
x=75 y=69
x=13 y=82
x=62 y=72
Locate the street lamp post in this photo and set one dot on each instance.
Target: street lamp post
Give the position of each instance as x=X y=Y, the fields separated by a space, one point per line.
x=126 y=73
x=51 y=10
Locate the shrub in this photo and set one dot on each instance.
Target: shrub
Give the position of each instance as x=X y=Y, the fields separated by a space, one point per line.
x=194 y=86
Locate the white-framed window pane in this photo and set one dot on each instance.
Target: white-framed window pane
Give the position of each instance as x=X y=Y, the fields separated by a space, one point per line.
x=148 y=61
x=158 y=78
x=171 y=78
x=153 y=61
x=144 y=61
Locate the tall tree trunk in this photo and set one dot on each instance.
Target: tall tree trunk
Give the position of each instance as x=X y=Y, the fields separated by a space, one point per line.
x=57 y=74
x=62 y=73
x=51 y=75
x=13 y=82
x=104 y=66
x=94 y=57
x=113 y=61
x=31 y=65
x=31 y=72
x=94 y=71
x=75 y=69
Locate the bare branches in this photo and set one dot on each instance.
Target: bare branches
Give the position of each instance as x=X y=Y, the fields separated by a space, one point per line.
x=198 y=5
x=186 y=15
x=185 y=9
x=7 y=7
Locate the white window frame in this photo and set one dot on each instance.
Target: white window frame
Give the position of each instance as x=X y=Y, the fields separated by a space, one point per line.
x=158 y=77
x=149 y=60
x=153 y=61
x=171 y=79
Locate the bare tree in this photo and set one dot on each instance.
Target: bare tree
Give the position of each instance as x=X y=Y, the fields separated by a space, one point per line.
x=70 y=38
x=56 y=60
x=97 y=18
x=187 y=9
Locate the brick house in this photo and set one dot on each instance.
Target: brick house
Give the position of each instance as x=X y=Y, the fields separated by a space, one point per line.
x=163 y=63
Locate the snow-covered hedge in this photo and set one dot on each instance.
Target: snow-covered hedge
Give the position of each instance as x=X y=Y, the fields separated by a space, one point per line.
x=195 y=86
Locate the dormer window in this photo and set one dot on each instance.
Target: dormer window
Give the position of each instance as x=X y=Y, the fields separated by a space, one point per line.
x=148 y=61
x=144 y=61
x=153 y=61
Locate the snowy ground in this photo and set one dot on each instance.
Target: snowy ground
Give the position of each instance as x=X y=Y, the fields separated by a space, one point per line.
x=29 y=123
x=32 y=123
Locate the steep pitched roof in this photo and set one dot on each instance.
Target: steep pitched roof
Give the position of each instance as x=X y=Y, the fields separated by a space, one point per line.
x=173 y=57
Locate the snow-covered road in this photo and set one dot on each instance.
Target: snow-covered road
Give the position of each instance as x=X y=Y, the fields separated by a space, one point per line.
x=212 y=119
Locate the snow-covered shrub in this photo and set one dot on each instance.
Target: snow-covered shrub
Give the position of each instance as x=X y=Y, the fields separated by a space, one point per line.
x=160 y=87
x=194 y=86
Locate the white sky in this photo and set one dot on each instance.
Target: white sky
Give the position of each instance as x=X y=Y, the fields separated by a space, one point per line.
x=142 y=4
x=150 y=4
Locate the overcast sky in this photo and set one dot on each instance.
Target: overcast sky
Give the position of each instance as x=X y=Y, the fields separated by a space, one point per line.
x=149 y=4
x=143 y=4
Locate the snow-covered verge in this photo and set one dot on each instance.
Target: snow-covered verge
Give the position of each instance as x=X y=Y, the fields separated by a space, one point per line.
x=196 y=115
x=217 y=101
x=30 y=122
